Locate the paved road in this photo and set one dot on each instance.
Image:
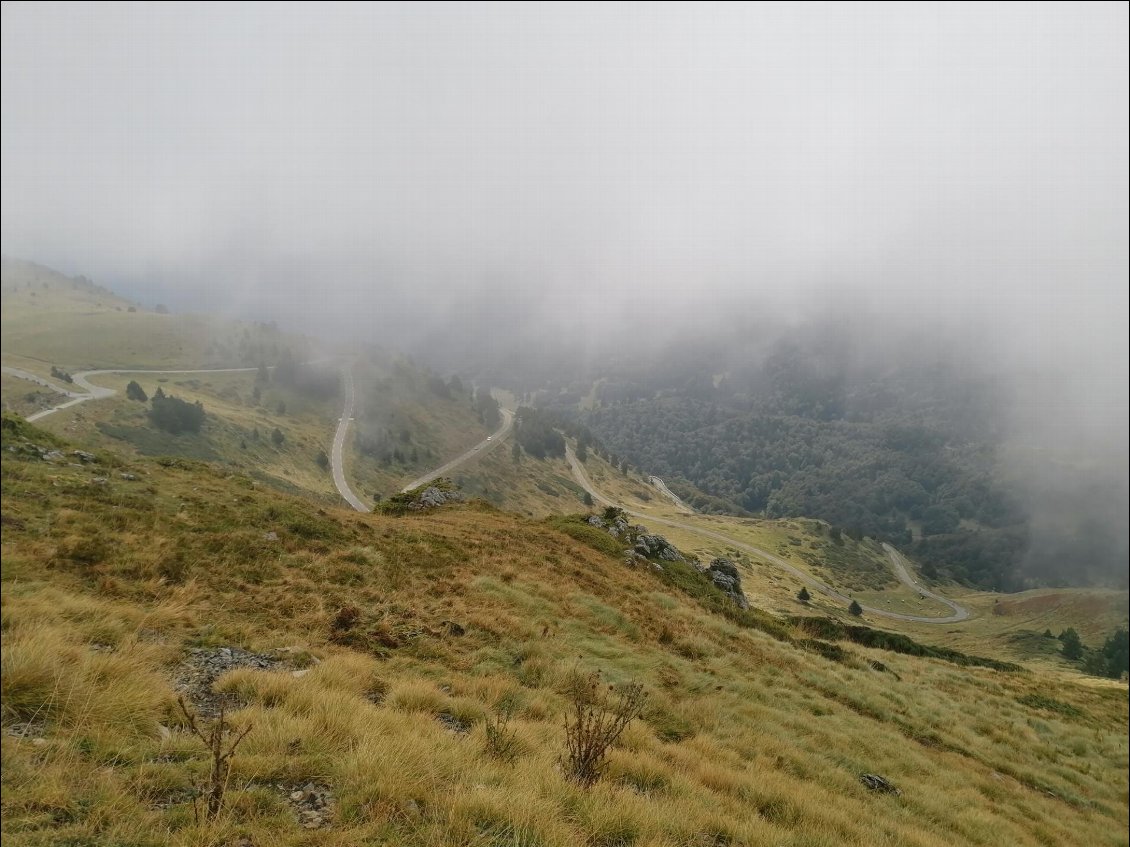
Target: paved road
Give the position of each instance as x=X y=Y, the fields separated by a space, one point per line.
x=337 y=458
x=19 y=373
x=98 y=392
x=959 y=612
x=480 y=449
x=337 y=454
x=671 y=495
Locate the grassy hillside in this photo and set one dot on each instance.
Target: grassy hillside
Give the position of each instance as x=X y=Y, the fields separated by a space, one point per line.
x=407 y=421
x=236 y=433
x=380 y=651
x=52 y=320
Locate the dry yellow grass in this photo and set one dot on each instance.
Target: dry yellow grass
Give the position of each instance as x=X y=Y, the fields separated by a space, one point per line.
x=747 y=739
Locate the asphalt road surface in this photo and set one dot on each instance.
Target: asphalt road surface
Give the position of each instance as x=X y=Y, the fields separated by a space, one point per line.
x=97 y=392
x=337 y=461
x=480 y=449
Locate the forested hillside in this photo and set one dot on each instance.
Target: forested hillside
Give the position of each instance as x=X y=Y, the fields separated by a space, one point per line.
x=908 y=455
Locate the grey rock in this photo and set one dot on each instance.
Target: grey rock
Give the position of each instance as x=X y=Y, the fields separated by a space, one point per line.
x=25 y=730
x=724 y=574
x=657 y=547
x=879 y=783
x=130 y=477
x=432 y=497
x=84 y=456
x=456 y=725
x=52 y=456
x=205 y=665
x=270 y=536
x=99 y=480
x=313 y=804
x=632 y=558
x=724 y=566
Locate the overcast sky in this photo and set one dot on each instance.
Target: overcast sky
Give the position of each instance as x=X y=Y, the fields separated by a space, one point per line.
x=386 y=166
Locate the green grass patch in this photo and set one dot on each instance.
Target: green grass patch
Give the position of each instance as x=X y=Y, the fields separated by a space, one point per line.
x=895 y=642
x=1047 y=704
x=593 y=536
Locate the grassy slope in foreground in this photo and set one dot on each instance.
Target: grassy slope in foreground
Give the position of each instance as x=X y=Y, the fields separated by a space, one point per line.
x=747 y=740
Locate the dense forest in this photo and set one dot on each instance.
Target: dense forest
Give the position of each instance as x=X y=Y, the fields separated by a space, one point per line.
x=906 y=454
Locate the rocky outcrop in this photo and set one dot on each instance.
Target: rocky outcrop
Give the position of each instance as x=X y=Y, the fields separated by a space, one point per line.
x=657 y=547
x=432 y=497
x=642 y=545
x=879 y=783
x=724 y=574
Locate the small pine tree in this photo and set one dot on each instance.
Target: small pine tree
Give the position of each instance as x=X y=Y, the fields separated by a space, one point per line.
x=588 y=500
x=1072 y=644
x=281 y=408
x=803 y=595
x=277 y=438
x=134 y=391
x=323 y=460
x=516 y=452
x=855 y=608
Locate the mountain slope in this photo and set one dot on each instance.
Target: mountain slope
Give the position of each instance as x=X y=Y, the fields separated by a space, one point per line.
x=126 y=578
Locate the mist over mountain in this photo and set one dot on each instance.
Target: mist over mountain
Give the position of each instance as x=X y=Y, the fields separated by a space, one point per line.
x=931 y=199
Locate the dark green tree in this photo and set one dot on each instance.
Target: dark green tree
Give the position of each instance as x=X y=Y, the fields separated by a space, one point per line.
x=588 y=500
x=1113 y=658
x=174 y=415
x=1072 y=644
x=804 y=596
x=134 y=391
x=487 y=408
x=277 y=438
x=855 y=608
x=323 y=460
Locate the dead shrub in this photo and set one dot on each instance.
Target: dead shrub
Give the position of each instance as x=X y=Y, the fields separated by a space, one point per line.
x=594 y=720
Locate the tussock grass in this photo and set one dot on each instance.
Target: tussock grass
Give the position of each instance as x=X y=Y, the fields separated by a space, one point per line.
x=750 y=736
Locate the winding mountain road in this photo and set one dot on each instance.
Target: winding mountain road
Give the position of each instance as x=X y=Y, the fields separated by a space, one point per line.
x=480 y=449
x=90 y=391
x=670 y=495
x=337 y=461
x=98 y=392
x=337 y=454
x=960 y=613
